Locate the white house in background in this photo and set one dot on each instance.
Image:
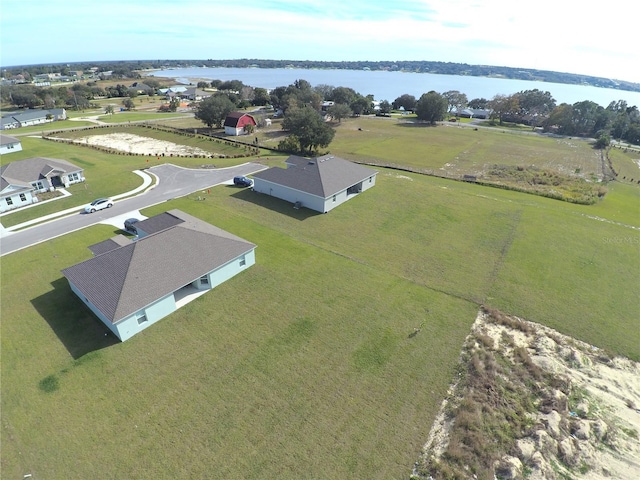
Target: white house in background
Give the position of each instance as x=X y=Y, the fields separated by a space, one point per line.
x=29 y=118
x=130 y=285
x=9 y=144
x=22 y=180
x=320 y=183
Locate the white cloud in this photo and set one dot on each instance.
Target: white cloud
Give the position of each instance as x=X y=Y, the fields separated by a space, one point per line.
x=563 y=35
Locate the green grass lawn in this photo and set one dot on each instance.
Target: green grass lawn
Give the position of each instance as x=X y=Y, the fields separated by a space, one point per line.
x=303 y=366
x=453 y=150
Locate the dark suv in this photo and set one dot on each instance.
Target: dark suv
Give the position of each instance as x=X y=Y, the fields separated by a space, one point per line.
x=129 y=225
x=242 y=182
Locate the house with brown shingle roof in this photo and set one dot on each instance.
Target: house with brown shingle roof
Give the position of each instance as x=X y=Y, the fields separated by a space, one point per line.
x=320 y=183
x=21 y=181
x=130 y=285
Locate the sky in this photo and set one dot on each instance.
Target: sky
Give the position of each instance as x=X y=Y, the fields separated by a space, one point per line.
x=571 y=36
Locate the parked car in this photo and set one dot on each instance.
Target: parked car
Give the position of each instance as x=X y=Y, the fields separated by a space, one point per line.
x=129 y=225
x=242 y=182
x=98 y=204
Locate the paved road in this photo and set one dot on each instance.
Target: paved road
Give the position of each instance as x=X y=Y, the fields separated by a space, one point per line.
x=173 y=182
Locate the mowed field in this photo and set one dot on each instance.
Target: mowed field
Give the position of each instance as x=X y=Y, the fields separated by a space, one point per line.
x=305 y=365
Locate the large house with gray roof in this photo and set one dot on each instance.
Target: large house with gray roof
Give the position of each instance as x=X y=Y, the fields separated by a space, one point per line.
x=22 y=180
x=130 y=285
x=27 y=118
x=320 y=183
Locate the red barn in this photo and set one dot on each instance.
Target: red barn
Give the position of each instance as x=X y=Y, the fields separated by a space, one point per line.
x=236 y=122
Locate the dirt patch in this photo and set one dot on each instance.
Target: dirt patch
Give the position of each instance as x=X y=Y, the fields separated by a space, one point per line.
x=532 y=403
x=136 y=144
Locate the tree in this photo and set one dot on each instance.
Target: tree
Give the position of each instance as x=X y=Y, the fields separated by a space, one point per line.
x=478 y=103
x=339 y=111
x=603 y=141
x=260 y=97
x=212 y=111
x=535 y=106
x=406 y=101
x=343 y=95
x=385 y=107
x=309 y=128
x=503 y=106
x=201 y=85
x=455 y=100
x=109 y=110
x=361 y=106
x=128 y=103
x=431 y=107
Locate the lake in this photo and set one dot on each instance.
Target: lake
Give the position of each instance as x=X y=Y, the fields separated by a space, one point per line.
x=390 y=85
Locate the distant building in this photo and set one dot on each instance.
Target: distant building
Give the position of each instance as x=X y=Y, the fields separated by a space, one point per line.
x=9 y=144
x=236 y=122
x=27 y=118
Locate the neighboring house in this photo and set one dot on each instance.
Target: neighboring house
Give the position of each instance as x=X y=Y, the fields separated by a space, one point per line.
x=131 y=285
x=320 y=183
x=28 y=118
x=474 y=113
x=236 y=122
x=22 y=180
x=140 y=88
x=9 y=144
x=194 y=94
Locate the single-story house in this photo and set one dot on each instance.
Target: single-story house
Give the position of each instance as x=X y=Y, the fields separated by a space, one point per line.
x=130 y=285
x=9 y=144
x=474 y=113
x=140 y=88
x=20 y=181
x=320 y=183
x=236 y=122
x=28 y=118
x=194 y=94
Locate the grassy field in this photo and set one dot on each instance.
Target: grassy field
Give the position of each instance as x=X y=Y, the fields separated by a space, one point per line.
x=451 y=149
x=303 y=366
x=108 y=174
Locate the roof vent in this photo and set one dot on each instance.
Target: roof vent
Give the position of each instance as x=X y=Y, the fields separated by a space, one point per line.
x=311 y=163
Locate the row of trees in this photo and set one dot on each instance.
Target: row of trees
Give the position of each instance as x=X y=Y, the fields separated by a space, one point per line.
x=536 y=109
x=77 y=95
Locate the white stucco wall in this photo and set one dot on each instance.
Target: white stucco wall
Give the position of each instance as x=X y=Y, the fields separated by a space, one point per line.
x=307 y=200
x=16 y=200
x=10 y=148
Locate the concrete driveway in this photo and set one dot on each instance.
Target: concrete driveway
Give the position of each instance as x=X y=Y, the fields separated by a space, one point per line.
x=172 y=182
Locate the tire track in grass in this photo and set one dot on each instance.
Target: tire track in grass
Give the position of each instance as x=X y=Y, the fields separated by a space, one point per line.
x=508 y=241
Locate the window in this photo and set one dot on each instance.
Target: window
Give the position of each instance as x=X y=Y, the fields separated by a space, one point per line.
x=9 y=201
x=204 y=280
x=38 y=185
x=334 y=198
x=243 y=261
x=23 y=197
x=370 y=179
x=142 y=318
x=73 y=177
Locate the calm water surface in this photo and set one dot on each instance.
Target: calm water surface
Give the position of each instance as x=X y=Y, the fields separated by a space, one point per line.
x=390 y=85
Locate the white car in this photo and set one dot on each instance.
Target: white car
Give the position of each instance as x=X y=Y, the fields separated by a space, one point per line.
x=98 y=204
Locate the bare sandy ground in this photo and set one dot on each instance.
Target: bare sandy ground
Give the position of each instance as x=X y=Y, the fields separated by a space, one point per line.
x=596 y=439
x=137 y=144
